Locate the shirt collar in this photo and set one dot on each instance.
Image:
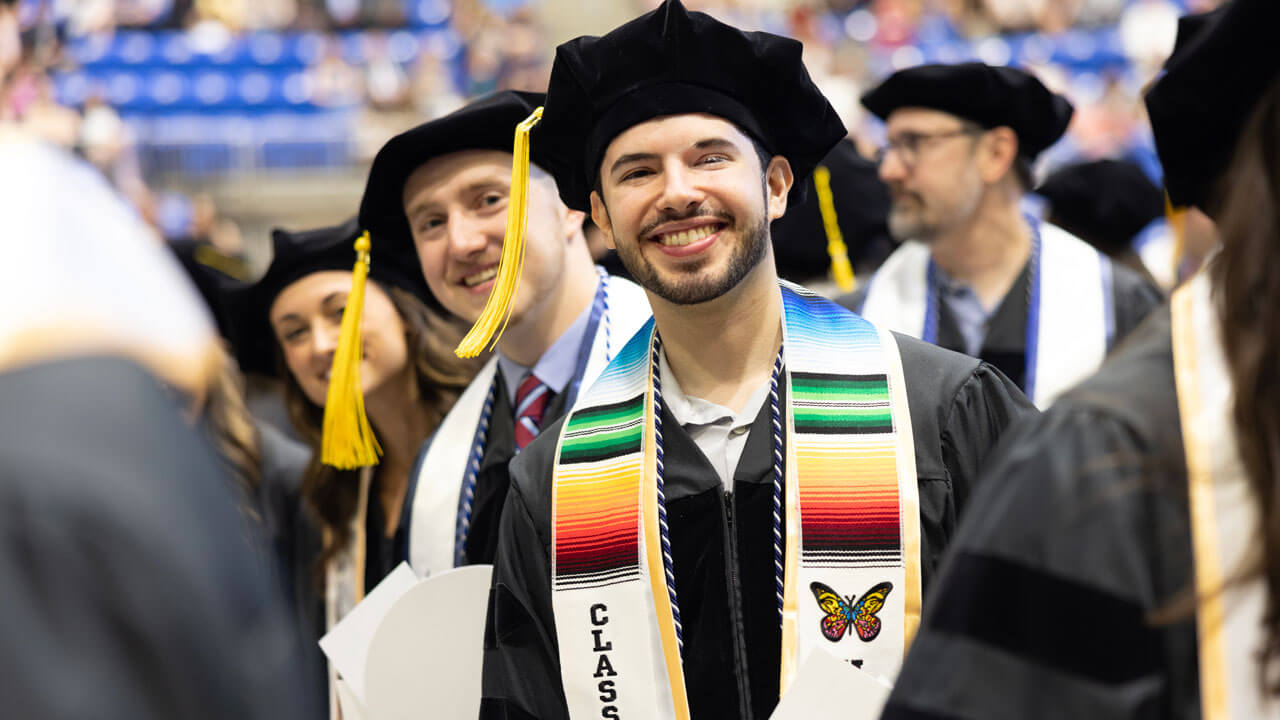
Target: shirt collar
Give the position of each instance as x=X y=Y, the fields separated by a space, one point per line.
x=557 y=365
x=693 y=412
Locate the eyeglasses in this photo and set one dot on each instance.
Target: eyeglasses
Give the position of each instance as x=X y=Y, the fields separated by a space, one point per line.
x=909 y=144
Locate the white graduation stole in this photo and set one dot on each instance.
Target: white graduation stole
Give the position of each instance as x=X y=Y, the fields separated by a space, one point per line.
x=1224 y=518
x=432 y=523
x=1069 y=324
x=852 y=559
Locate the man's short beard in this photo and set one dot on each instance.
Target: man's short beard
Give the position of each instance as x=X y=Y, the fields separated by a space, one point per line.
x=904 y=227
x=687 y=290
x=916 y=224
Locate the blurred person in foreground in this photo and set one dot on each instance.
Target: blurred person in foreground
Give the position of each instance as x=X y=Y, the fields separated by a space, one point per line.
x=130 y=587
x=1127 y=563
x=974 y=273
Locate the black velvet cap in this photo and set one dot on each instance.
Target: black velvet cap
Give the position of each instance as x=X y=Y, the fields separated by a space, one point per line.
x=1105 y=202
x=296 y=255
x=1199 y=107
x=861 y=201
x=672 y=62
x=1189 y=26
x=486 y=124
x=987 y=95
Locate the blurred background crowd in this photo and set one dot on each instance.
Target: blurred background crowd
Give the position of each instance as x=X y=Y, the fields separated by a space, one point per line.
x=219 y=118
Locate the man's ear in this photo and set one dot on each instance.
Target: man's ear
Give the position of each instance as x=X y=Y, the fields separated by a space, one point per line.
x=998 y=151
x=600 y=216
x=572 y=220
x=777 y=182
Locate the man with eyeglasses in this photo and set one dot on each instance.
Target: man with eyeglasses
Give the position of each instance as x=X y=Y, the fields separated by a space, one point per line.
x=974 y=273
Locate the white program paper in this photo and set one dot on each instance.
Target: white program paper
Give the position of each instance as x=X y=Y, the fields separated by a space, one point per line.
x=425 y=658
x=827 y=686
x=347 y=644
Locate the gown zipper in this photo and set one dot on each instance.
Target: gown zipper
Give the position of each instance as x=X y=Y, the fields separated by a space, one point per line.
x=735 y=608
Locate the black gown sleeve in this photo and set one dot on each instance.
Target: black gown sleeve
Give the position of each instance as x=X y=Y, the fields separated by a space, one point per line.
x=985 y=406
x=960 y=408
x=521 y=675
x=1049 y=603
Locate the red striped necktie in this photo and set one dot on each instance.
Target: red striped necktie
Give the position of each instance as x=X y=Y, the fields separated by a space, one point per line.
x=531 y=402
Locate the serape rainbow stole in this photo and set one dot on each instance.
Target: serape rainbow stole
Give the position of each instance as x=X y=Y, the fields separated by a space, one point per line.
x=852 y=520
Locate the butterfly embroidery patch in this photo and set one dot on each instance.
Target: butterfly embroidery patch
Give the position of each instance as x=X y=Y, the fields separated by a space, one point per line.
x=844 y=615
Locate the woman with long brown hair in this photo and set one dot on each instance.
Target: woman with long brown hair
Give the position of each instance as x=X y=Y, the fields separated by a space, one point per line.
x=349 y=531
x=1123 y=556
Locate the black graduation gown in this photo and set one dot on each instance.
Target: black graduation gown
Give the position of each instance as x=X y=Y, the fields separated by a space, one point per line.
x=1044 y=606
x=1005 y=345
x=723 y=546
x=131 y=585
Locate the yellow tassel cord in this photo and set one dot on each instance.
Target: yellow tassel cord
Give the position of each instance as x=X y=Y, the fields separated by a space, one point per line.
x=348 y=440
x=1177 y=219
x=841 y=268
x=497 y=310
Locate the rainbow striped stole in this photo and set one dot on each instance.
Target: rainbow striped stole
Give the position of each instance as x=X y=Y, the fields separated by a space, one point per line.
x=852 y=578
x=852 y=518
x=596 y=511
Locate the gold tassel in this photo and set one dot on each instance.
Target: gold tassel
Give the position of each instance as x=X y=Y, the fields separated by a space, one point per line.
x=841 y=268
x=348 y=440
x=1177 y=219
x=497 y=310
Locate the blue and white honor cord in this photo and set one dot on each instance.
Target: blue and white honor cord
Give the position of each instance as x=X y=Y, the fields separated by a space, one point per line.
x=779 y=568
x=473 y=471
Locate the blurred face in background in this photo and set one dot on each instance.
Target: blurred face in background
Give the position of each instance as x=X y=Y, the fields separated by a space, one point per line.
x=930 y=165
x=457 y=210
x=10 y=41
x=306 y=319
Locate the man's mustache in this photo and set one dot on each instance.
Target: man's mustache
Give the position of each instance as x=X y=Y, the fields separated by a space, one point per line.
x=669 y=217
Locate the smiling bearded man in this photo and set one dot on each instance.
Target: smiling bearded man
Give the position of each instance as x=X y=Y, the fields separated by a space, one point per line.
x=442 y=190
x=759 y=474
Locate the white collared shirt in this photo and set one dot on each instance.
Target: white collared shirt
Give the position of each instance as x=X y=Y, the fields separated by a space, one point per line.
x=720 y=433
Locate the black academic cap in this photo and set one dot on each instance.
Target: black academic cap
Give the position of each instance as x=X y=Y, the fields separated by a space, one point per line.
x=214 y=273
x=1189 y=27
x=861 y=202
x=987 y=95
x=486 y=124
x=297 y=254
x=1198 y=108
x=1104 y=202
x=671 y=62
